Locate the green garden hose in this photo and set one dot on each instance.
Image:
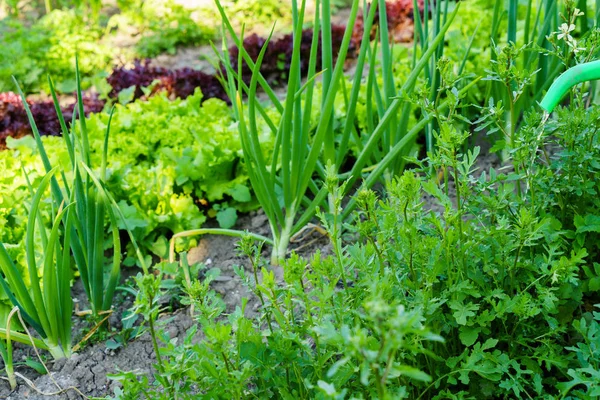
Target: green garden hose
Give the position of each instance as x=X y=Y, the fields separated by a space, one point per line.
x=580 y=73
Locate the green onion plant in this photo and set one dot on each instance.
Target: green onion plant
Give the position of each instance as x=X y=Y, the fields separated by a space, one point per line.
x=93 y=206
x=90 y=211
x=7 y=358
x=45 y=304
x=79 y=208
x=287 y=183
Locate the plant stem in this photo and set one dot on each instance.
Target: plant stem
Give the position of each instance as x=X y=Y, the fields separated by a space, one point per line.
x=282 y=243
x=259 y=293
x=226 y=361
x=159 y=362
x=388 y=367
x=378 y=384
x=311 y=321
x=56 y=351
x=459 y=210
x=511 y=273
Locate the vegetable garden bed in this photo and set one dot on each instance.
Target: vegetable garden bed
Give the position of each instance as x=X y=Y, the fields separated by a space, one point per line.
x=324 y=213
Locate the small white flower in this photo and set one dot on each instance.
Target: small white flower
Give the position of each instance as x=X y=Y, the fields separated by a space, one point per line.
x=566 y=29
x=573 y=45
x=578 y=12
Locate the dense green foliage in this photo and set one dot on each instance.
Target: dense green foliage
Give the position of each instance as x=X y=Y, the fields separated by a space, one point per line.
x=30 y=50
x=477 y=293
x=49 y=46
x=166 y=171
x=165 y=167
x=304 y=152
x=164 y=26
x=448 y=281
x=496 y=270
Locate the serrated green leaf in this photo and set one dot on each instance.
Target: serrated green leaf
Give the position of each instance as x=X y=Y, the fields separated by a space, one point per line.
x=589 y=223
x=468 y=335
x=462 y=312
